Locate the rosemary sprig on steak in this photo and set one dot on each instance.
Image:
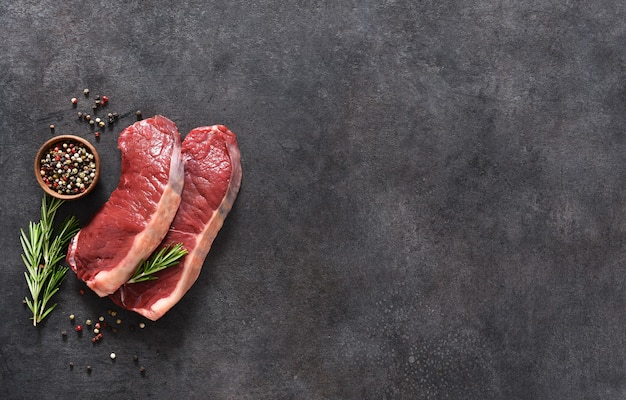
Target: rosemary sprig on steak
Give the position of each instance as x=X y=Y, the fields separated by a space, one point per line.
x=166 y=257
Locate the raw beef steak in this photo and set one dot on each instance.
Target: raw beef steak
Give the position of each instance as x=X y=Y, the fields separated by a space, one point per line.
x=212 y=181
x=133 y=222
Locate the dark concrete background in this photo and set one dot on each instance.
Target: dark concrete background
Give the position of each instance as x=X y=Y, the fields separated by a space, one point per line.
x=432 y=206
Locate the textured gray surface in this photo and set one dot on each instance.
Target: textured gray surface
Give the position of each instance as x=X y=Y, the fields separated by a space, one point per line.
x=432 y=206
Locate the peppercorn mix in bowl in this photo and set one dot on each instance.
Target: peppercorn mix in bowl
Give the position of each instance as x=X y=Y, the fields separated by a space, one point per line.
x=67 y=167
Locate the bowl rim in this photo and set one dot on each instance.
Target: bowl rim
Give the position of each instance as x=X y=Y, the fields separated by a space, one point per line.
x=49 y=143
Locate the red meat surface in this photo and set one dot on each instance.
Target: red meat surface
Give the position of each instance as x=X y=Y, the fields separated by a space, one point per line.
x=138 y=214
x=212 y=181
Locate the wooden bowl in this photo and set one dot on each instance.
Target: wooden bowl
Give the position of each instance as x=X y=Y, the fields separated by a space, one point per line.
x=47 y=172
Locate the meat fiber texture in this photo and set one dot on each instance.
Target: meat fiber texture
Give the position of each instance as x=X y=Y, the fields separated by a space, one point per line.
x=212 y=181
x=138 y=214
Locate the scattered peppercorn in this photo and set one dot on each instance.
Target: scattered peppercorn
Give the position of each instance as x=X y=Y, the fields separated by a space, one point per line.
x=86 y=92
x=101 y=124
x=78 y=328
x=105 y=100
x=97 y=326
x=118 y=321
x=72 y=317
x=94 y=339
x=96 y=331
x=142 y=325
x=74 y=100
x=88 y=117
x=71 y=365
x=113 y=313
x=88 y=322
x=97 y=134
x=64 y=334
x=89 y=369
x=52 y=128
x=91 y=122
x=138 y=114
x=112 y=356
x=142 y=370
x=135 y=358
x=81 y=291
x=101 y=318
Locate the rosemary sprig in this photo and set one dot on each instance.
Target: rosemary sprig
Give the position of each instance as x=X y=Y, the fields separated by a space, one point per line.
x=166 y=257
x=43 y=251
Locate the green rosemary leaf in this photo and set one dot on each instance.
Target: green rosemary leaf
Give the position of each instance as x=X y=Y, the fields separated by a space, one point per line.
x=31 y=287
x=164 y=258
x=44 y=314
